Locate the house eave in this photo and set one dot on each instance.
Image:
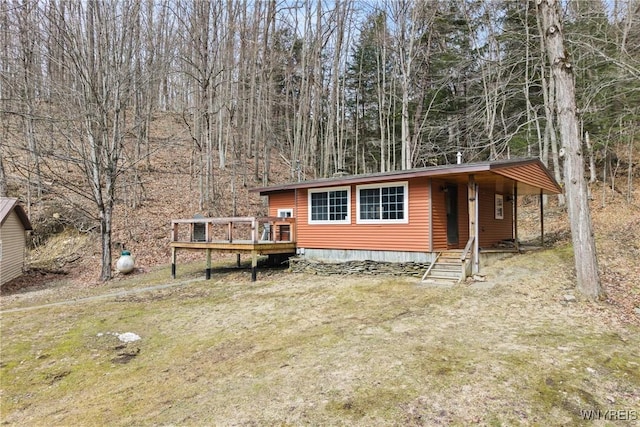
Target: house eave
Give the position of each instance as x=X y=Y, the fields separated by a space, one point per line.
x=444 y=171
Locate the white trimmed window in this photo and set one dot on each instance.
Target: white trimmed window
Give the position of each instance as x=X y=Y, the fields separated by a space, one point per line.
x=499 y=206
x=383 y=203
x=330 y=206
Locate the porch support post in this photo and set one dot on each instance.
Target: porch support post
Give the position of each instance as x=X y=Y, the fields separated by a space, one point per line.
x=430 y=201
x=472 y=191
x=541 y=217
x=515 y=216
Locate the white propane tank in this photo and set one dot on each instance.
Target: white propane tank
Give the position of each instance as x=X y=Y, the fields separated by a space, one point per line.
x=125 y=263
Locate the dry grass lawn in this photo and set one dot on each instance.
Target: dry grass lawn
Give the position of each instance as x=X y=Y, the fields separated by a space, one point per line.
x=297 y=349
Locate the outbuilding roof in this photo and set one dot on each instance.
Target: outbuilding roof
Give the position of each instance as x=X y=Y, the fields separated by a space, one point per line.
x=8 y=205
x=530 y=175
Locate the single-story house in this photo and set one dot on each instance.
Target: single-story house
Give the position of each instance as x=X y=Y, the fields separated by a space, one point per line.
x=14 y=224
x=410 y=215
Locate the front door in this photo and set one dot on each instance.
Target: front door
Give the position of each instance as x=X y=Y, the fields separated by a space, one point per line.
x=451 y=203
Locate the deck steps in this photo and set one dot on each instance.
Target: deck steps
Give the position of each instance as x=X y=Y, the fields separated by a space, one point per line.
x=446 y=269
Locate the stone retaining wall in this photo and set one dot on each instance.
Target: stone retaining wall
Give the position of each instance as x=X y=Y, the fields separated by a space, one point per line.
x=302 y=265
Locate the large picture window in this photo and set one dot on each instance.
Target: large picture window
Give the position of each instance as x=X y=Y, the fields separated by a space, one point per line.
x=383 y=203
x=329 y=206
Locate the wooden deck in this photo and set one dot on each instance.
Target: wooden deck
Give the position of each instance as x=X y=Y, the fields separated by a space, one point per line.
x=240 y=235
x=240 y=246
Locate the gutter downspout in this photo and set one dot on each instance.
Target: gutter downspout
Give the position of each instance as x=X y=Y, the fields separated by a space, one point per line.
x=541 y=217
x=515 y=216
x=430 y=201
x=295 y=213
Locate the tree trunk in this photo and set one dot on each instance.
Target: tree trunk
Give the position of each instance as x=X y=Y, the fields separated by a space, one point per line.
x=593 y=177
x=584 y=247
x=550 y=141
x=105 y=237
x=3 y=178
x=629 y=165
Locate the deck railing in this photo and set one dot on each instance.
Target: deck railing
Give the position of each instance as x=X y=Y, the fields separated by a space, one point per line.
x=234 y=229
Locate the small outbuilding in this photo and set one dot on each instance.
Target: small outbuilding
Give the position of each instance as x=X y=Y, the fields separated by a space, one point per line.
x=14 y=223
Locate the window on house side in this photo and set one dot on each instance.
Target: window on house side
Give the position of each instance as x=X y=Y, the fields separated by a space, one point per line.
x=331 y=206
x=499 y=206
x=383 y=203
x=285 y=213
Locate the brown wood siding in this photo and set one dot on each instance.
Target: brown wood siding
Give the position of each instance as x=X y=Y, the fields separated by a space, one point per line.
x=493 y=230
x=439 y=216
x=12 y=236
x=530 y=174
x=413 y=237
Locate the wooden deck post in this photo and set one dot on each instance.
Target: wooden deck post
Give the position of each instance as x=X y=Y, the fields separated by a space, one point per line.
x=254 y=230
x=174 y=231
x=208 y=270
x=174 y=238
x=173 y=262
x=254 y=265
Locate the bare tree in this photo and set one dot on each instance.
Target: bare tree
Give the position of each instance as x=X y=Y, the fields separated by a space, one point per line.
x=101 y=40
x=405 y=15
x=5 y=90
x=334 y=142
x=584 y=247
x=27 y=16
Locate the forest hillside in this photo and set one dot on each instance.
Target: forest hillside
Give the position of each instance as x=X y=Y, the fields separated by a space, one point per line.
x=65 y=244
x=118 y=116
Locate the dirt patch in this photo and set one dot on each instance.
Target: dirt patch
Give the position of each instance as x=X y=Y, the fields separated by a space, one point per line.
x=126 y=355
x=32 y=280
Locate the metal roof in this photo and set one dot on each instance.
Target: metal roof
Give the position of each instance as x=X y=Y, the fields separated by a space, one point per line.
x=529 y=173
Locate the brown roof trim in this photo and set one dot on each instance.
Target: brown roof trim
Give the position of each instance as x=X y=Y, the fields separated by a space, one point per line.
x=432 y=171
x=8 y=205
